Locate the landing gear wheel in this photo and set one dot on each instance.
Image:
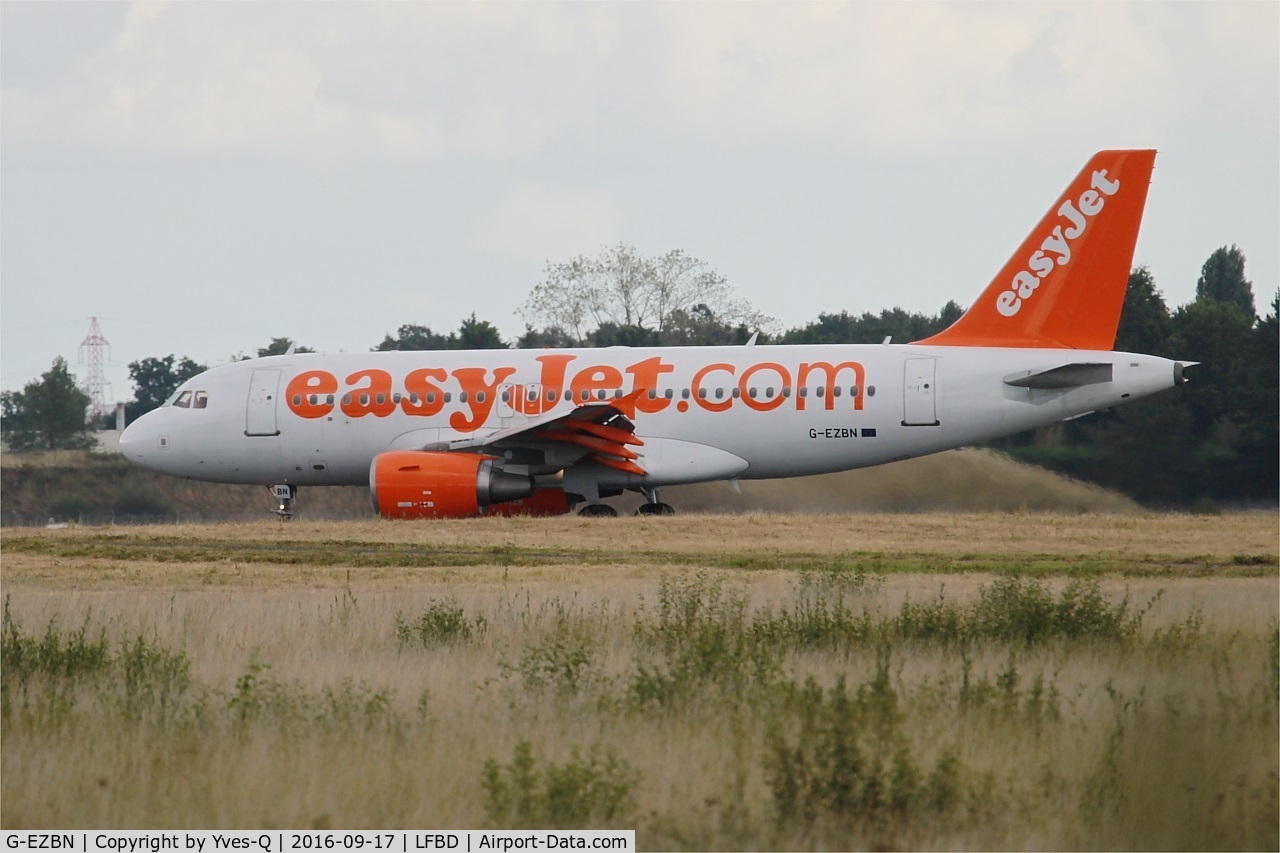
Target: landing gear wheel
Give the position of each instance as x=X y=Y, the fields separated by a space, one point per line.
x=598 y=511
x=657 y=508
x=284 y=495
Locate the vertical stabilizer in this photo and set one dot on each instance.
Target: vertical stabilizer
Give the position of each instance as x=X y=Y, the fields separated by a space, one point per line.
x=1065 y=285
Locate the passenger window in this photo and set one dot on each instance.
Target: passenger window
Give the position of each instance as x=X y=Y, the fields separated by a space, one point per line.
x=653 y=394
x=768 y=393
x=448 y=396
x=751 y=392
x=804 y=391
x=462 y=396
x=479 y=396
x=431 y=397
x=346 y=399
x=819 y=390
x=786 y=390
x=184 y=400
x=835 y=392
x=364 y=399
x=382 y=399
x=684 y=393
x=551 y=396
x=201 y=401
x=719 y=393
x=330 y=400
x=297 y=399
x=669 y=394
x=853 y=390
x=702 y=393
x=871 y=390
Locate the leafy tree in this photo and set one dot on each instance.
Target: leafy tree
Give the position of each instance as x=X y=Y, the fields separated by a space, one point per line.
x=414 y=337
x=614 y=335
x=479 y=334
x=1144 y=319
x=280 y=346
x=624 y=288
x=699 y=326
x=47 y=414
x=552 y=336
x=1222 y=280
x=1214 y=334
x=155 y=380
x=472 y=334
x=900 y=325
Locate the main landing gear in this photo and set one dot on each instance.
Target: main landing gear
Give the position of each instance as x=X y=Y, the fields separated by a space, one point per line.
x=284 y=495
x=654 y=506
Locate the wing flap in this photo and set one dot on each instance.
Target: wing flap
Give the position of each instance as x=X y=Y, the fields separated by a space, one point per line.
x=604 y=429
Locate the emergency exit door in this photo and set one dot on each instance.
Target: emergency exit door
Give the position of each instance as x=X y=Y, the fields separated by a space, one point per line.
x=919 y=392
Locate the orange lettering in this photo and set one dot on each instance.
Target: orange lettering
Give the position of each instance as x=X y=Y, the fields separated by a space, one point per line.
x=374 y=399
x=553 y=372
x=768 y=403
x=322 y=383
x=598 y=378
x=697 y=388
x=430 y=397
x=831 y=371
x=480 y=395
x=645 y=377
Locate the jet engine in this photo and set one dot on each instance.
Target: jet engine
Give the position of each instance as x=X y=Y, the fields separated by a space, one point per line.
x=424 y=484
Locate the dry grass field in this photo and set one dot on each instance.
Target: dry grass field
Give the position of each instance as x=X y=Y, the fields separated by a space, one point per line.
x=70 y=486
x=1024 y=680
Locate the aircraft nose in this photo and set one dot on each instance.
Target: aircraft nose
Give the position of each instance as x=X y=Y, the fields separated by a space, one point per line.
x=137 y=442
x=130 y=441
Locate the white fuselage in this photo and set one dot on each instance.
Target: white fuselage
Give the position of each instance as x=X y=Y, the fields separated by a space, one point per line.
x=704 y=413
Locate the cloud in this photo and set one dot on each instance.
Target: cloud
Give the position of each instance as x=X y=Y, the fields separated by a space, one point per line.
x=419 y=81
x=503 y=81
x=531 y=222
x=943 y=78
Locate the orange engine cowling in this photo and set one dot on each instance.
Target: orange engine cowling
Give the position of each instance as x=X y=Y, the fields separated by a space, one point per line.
x=422 y=484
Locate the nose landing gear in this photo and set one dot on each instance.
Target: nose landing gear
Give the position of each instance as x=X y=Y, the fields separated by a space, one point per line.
x=284 y=494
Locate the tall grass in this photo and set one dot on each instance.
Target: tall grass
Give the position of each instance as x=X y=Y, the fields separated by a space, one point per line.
x=827 y=712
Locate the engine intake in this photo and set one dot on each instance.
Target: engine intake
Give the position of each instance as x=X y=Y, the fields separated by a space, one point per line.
x=424 y=484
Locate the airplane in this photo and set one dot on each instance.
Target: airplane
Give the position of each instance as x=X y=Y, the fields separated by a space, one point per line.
x=454 y=434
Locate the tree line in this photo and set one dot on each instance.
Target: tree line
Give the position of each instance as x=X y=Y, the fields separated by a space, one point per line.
x=1213 y=440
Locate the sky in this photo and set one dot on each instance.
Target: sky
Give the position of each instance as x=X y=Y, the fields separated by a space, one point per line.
x=203 y=177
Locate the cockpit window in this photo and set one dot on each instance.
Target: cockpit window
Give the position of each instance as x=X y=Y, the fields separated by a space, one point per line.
x=189 y=399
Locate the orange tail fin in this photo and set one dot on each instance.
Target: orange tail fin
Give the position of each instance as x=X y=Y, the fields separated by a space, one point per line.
x=1065 y=285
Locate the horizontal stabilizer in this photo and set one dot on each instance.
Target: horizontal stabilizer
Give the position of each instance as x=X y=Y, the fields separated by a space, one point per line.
x=1067 y=376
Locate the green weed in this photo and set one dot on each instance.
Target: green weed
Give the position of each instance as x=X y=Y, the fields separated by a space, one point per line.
x=66 y=655
x=443 y=623
x=595 y=790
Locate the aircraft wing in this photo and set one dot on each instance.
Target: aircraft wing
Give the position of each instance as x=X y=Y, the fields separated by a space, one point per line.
x=603 y=431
